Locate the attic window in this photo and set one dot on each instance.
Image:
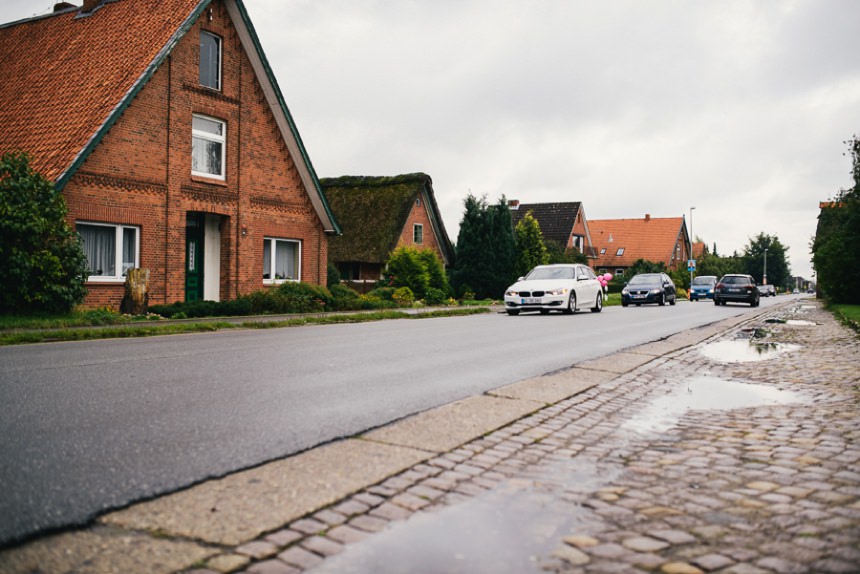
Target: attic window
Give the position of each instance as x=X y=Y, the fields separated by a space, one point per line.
x=418 y=202
x=418 y=234
x=603 y=251
x=210 y=60
x=620 y=251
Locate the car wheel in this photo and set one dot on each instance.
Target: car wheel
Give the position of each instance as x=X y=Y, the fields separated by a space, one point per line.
x=571 y=303
x=716 y=301
x=623 y=304
x=598 y=304
x=662 y=301
x=513 y=312
x=674 y=299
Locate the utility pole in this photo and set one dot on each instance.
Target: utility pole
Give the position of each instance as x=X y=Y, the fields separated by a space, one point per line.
x=692 y=257
x=764 y=276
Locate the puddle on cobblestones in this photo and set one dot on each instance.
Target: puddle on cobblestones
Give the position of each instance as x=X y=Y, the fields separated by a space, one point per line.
x=511 y=528
x=744 y=351
x=705 y=393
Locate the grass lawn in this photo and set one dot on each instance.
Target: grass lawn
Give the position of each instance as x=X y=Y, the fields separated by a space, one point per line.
x=849 y=314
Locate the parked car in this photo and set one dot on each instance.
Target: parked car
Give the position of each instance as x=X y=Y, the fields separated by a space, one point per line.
x=648 y=288
x=562 y=287
x=767 y=291
x=702 y=287
x=736 y=288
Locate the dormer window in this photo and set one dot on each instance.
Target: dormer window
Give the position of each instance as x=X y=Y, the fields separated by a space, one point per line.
x=210 y=60
x=620 y=251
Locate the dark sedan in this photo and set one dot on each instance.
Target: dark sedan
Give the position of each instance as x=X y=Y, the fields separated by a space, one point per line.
x=648 y=288
x=736 y=288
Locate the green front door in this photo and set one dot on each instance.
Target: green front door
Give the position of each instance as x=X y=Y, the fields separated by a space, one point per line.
x=194 y=233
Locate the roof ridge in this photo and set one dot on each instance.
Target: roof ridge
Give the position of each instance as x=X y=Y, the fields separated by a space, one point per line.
x=374 y=180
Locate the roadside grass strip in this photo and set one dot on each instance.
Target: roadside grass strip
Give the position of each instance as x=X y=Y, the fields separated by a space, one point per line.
x=152 y=330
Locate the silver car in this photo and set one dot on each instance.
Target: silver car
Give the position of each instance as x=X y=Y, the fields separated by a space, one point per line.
x=563 y=287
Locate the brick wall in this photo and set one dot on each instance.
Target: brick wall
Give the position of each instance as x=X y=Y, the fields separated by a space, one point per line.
x=420 y=215
x=140 y=174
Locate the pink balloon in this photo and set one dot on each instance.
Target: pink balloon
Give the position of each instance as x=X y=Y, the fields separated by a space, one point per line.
x=607 y=276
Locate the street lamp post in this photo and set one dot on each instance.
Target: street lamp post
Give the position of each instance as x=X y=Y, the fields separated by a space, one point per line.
x=692 y=257
x=764 y=275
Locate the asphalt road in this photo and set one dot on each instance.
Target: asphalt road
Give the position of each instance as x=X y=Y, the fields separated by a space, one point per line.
x=91 y=426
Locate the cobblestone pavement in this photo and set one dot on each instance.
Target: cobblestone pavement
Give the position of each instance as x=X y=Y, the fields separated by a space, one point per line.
x=627 y=476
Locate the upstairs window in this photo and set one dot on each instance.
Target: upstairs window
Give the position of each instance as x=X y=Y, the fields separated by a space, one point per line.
x=111 y=250
x=620 y=251
x=603 y=252
x=418 y=233
x=210 y=60
x=208 y=142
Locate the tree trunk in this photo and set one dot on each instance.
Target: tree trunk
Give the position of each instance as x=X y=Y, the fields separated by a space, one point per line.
x=136 y=299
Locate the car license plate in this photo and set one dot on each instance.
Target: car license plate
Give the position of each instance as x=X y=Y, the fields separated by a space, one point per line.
x=531 y=301
x=638 y=296
x=734 y=290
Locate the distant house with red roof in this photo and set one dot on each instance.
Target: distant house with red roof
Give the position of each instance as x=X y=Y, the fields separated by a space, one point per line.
x=622 y=242
x=563 y=222
x=163 y=126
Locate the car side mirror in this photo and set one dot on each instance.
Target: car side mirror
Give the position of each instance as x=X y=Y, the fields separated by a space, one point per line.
x=521 y=278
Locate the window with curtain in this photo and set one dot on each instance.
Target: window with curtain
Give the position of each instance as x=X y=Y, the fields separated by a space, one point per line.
x=281 y=260
x=208 y=143
x=210 y=60
x=111 y=250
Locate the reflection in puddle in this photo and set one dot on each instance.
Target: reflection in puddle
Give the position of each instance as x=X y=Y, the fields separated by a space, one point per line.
x=742 y=351
x=705 y=393
x=799 y=322
x=507 y=529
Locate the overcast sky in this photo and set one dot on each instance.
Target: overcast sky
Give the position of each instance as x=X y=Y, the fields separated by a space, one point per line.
x=737 y=108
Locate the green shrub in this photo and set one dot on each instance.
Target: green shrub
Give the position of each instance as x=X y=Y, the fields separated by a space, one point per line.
x=381 y=294
x=403 y=296
x=407 y=269
x=43 y=268
x=435 y=296
x=344 y=298
x=332 y=276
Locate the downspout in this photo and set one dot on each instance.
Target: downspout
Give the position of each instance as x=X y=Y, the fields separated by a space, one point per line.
x=238 y=226
x=168 y=181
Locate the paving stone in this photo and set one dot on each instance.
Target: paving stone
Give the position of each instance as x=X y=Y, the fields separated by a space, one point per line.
x=390 y=511
x=308 y=526
x=711 y=562
x=368 y=523
x=227 y=562
x=258 y=549
x=351 y=508
x=645 y=544
x=571 y=555
x=680 y=568
x=347 y=534
x=322 y=545
x=300 y=558
x=272 y=567
x=674 y=536
x=284 y=537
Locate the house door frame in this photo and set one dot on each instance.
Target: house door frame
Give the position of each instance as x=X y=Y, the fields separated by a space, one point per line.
x=195 y=234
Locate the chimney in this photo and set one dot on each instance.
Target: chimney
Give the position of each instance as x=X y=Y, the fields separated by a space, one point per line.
x=60 y=6
x=514 y=204
x=90 y=5
x=647 y=217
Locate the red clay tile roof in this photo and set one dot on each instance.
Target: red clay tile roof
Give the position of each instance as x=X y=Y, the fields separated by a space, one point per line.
x=64 y=74
x=652 y=239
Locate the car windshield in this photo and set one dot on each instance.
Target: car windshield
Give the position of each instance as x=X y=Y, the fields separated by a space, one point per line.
x=645 y=280
x=552 y=273
x=736 y=280
x=704 y=280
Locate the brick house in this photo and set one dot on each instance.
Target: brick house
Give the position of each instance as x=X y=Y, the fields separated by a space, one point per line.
x=163 y=126
x=622 y=242
x=562 y=222
x=378 y=215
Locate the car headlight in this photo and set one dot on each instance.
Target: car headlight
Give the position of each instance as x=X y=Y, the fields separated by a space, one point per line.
x=625 y=292
x=511 y=293
x=656 y=291
x=557 y=291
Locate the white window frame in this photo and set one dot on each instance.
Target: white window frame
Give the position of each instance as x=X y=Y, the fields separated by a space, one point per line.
x=418 y=234
x=206 y=136
x=620 y=252
x=219 y=42
x=273 y=242
x=119 y=230
x=603 y=251
x=619 y=272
